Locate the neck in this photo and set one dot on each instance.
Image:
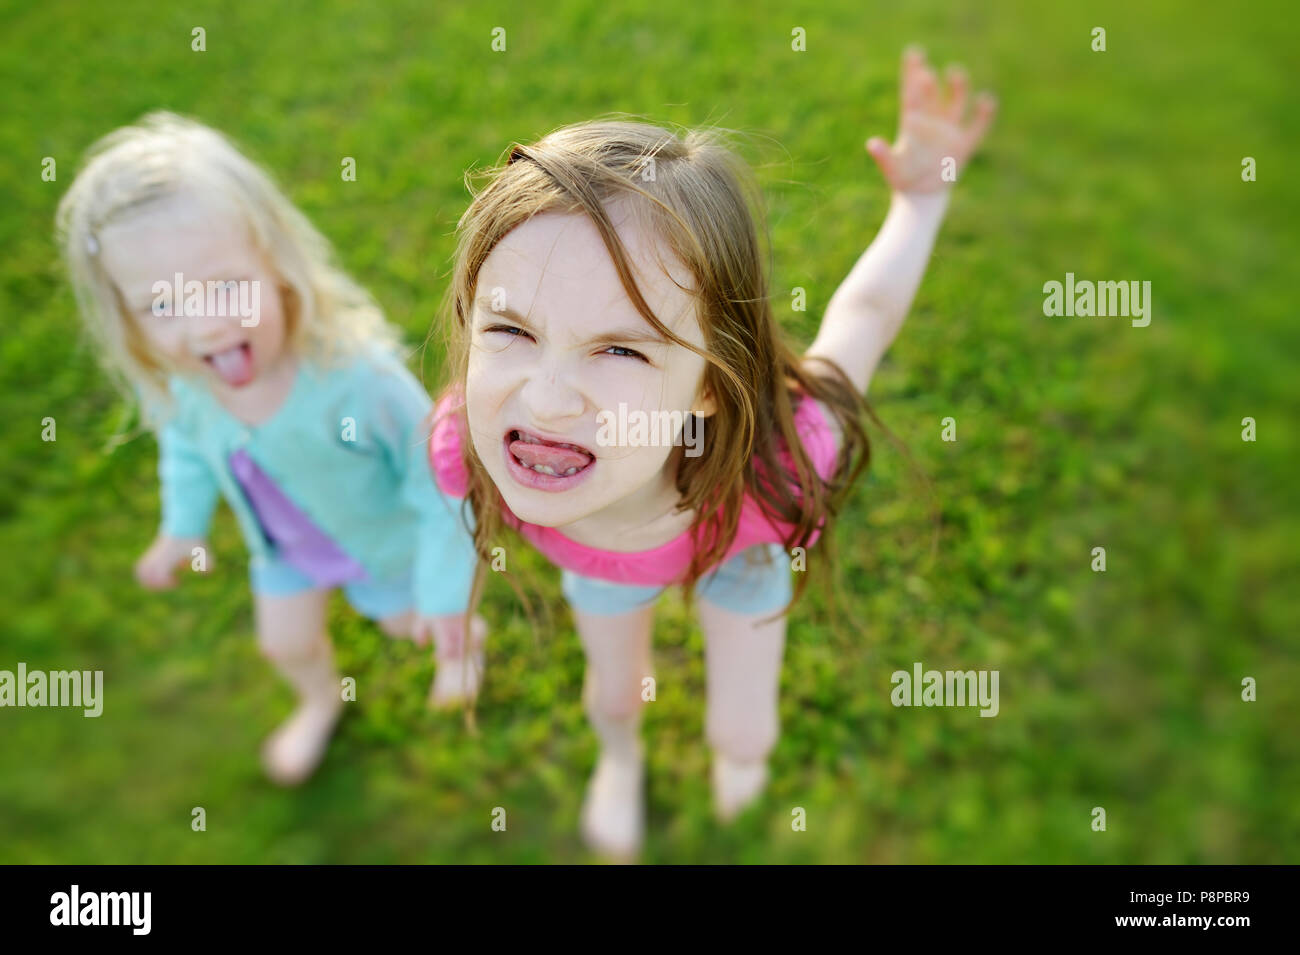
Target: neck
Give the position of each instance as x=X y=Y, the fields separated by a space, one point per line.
x=262 y=397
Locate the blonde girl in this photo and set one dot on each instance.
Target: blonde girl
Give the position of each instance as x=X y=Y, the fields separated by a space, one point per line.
x=614 y=271
x=272 y=380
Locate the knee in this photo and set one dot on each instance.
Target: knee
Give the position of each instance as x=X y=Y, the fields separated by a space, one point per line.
x=290 y=645
x=744 y=738
x=613 y=700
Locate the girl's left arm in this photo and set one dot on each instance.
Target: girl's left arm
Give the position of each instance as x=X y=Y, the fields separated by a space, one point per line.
x=935 y=141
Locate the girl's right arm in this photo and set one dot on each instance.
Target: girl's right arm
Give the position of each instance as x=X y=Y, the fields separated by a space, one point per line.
x=189 y=497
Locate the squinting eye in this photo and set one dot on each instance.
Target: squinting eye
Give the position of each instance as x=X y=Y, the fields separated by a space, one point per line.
x=508 y=329
x=625 y=353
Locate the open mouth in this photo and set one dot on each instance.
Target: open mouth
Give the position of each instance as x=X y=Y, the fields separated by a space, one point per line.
x=232 y=365
x=546 y=465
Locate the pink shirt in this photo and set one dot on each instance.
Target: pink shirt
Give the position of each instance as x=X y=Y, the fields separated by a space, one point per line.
x=659 y=566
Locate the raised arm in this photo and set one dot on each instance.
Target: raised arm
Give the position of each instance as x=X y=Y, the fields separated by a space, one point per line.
x=934 y=142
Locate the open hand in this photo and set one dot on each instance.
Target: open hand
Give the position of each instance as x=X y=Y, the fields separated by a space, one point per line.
x=156 y=568
x=447 y=633
x=934 y=137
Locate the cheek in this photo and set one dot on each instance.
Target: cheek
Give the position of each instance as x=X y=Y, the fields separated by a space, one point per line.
x=643 y=462
x=491 y=355
x=493 y=372
x=480 y=381
x=271 y=327
x=611 y=381
x=485 y=436
x=484 y=394
x=166 y=338
x=652 y=390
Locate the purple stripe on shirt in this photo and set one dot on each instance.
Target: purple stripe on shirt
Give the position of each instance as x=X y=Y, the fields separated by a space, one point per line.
x=298 y=541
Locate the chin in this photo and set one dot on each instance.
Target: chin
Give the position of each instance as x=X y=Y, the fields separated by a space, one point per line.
x=545 y=510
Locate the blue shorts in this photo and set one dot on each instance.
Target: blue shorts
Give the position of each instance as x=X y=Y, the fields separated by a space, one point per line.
x=754 y=581
x=273 y=577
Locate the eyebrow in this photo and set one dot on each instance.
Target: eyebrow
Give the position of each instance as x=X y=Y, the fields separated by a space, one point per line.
x=646 y=334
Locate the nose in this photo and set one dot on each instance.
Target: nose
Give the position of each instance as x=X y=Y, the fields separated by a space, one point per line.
x=550 y=396
x=211 y=326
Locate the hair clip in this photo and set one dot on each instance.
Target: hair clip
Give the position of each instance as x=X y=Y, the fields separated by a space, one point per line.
x=92 y=245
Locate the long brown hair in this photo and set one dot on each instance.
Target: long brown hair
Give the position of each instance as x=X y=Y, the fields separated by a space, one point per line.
x=698 y=197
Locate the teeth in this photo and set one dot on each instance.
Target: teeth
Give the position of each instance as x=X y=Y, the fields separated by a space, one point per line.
x=547 y=469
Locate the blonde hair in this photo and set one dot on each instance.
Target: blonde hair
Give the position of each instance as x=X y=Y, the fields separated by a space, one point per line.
x=328 y=315
x=701 y=202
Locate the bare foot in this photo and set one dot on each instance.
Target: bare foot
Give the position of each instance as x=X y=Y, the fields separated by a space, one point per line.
x=736 y=785
x=613 y=811
x=292 y=753
x=458 y=680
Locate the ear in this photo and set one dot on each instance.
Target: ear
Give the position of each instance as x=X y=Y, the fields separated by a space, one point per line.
x=705 y=405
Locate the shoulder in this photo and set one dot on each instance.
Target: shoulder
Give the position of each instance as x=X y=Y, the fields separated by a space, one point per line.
x=376 y=374
x=446 y=441
x=820 y=431
x=372 y=363
x=180 y=409
x=832 y=423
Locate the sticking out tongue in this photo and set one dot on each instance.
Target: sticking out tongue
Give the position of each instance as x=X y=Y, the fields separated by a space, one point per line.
x=234 y=365
x=558 y=457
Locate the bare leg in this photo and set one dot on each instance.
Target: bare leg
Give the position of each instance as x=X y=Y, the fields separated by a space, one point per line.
x=291 y=634
x=459 y=673
x=618 y=659
x=398 y=626
x=743 y=665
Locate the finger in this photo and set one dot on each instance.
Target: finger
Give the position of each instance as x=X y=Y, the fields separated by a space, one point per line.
x=913 y=64
x=927 y=90
x=958 y=91
x=884 y=157
x=986 y=107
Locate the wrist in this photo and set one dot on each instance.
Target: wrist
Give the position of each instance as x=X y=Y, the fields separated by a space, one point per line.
x=933 y=203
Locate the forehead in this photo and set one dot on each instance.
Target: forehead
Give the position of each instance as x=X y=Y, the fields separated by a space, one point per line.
x=555 y=270
x=197 y=238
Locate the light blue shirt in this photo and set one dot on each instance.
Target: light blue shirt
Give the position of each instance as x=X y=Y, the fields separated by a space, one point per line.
x=349 y=447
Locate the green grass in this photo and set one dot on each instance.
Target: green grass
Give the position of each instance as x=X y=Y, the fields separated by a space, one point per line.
x=1119 y=690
